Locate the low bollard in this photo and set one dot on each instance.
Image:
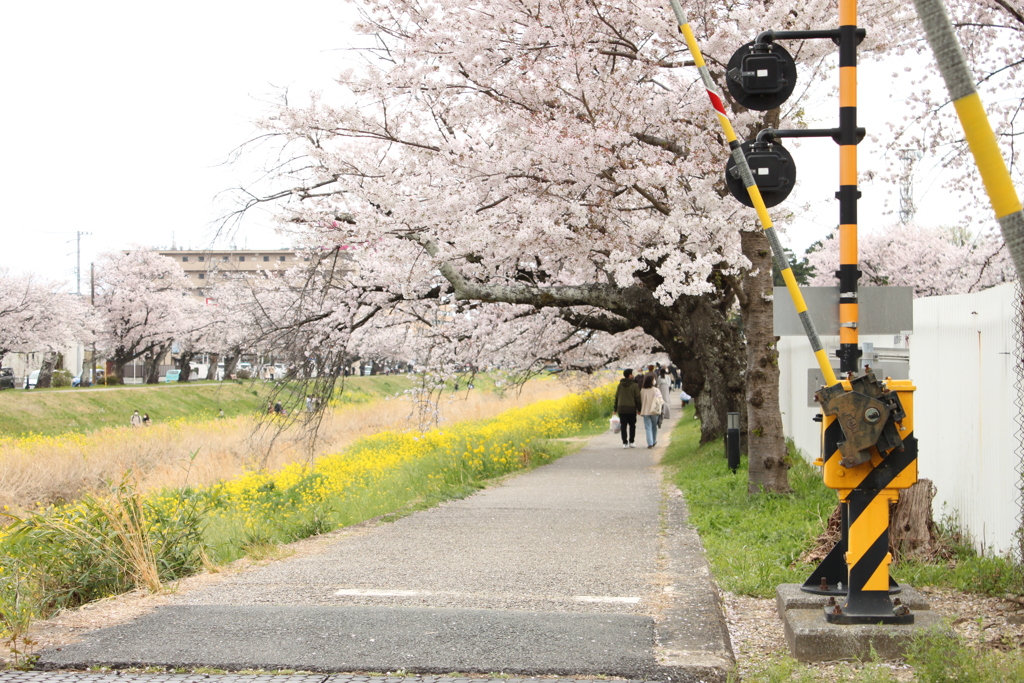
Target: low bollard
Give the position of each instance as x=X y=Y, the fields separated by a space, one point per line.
x=732 y=441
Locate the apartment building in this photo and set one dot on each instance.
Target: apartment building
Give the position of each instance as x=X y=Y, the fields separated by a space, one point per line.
x=204 y=267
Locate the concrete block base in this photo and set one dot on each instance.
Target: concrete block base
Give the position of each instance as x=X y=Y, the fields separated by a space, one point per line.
x=813 y=639
x=789 y=596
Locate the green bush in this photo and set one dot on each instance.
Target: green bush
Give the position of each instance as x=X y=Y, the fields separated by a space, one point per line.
x=61 y=378
x=100 y=547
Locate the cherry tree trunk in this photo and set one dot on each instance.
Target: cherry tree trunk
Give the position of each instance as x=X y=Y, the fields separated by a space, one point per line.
x=713 y=374
x=120 y=360
x=151 y=366
x=186 y=366
x=911 y=526
x=230 y=362
x=766 y=444
x=45 y=380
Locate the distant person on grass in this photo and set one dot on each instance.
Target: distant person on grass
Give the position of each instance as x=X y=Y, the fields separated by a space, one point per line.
x=145 y=420
x=627 y=402
x=135 y=420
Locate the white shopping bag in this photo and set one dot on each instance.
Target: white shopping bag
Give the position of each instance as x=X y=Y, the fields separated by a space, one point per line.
x=615 y=424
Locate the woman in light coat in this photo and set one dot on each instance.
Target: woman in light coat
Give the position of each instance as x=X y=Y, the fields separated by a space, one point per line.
x=650 y=408
x=665 y=386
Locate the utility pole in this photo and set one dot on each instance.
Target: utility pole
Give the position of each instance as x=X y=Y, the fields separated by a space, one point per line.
x=92 y=302
x=78 y=260
x=907 y=208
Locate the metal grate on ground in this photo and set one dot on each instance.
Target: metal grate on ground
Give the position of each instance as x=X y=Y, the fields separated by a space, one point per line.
x=129 y=677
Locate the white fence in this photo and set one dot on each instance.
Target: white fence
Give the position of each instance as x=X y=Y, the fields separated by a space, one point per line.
x=962 y=363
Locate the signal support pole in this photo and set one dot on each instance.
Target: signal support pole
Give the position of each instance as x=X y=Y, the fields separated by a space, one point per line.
x=849 y=273
x=869 y=451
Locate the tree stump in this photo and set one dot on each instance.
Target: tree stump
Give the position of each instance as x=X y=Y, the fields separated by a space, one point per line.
x=911 y=526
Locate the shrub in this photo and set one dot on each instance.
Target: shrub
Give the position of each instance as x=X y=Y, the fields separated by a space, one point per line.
x=61 y=378
x=243 y=374
x=100 y=547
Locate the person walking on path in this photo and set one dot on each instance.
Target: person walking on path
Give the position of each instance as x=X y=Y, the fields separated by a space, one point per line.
x=651 y=372
x=650 y=408
x=664 y=386
x=135 y=420
x=627 y=402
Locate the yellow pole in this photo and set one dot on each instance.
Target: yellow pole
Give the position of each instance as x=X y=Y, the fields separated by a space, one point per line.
x=755 y=196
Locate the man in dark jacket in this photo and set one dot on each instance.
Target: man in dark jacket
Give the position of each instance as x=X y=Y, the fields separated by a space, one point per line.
x=627 y=403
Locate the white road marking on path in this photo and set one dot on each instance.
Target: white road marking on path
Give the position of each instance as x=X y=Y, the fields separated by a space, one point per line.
x=606 y=598
x=381 y=593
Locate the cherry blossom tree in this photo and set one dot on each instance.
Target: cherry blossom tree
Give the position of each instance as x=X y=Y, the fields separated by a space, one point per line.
x=38 y=316
x=141 y=299
x=991 y=33
x=934 y=261
x=552 y=168
x=200 y=330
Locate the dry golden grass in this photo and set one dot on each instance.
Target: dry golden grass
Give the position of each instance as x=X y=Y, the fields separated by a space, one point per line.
x=38 y=470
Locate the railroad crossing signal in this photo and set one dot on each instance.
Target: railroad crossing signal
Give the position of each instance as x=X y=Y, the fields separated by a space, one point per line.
x=869 y=451
x=773 y=168
x=761 y=76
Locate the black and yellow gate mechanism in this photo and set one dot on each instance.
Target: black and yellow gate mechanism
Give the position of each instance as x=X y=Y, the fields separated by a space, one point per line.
x=869 y=451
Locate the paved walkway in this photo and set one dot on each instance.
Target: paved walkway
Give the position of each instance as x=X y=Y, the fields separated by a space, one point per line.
x=583 y=568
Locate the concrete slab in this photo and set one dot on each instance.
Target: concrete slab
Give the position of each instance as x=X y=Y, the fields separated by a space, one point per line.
x=812 y=639
x=789 y=596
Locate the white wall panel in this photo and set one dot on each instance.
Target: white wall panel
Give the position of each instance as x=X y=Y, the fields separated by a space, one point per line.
x=961 y=359
x=962 y=363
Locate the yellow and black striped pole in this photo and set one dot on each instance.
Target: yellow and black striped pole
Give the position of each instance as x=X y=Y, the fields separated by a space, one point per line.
x=977 y=129
x=755 y=196
x=849 y=272
x=861 y=561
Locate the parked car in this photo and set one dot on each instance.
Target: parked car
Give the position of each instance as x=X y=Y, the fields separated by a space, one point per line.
x=6 y=378
x=172 y=376
x=97 y=379
x=31 y=380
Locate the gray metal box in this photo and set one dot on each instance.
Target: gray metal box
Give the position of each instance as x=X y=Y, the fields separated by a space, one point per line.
x=882 y=310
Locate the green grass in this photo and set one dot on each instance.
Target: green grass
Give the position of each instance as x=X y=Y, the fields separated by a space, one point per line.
x=68 y=555
x=752 y=541
x=753 y=544
x=60 y=411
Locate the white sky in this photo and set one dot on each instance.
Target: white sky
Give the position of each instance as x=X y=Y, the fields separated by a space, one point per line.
x=118 y=117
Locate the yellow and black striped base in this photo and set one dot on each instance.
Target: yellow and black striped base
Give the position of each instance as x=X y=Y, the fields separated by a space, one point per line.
x=857 y=569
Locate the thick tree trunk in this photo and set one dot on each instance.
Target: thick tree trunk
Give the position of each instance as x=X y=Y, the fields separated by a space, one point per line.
x=708 y=349
x=151 y=366
x=229 y=364
x=119 y=361
x=186 y=366
x=766 y=444
x=45 y=380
